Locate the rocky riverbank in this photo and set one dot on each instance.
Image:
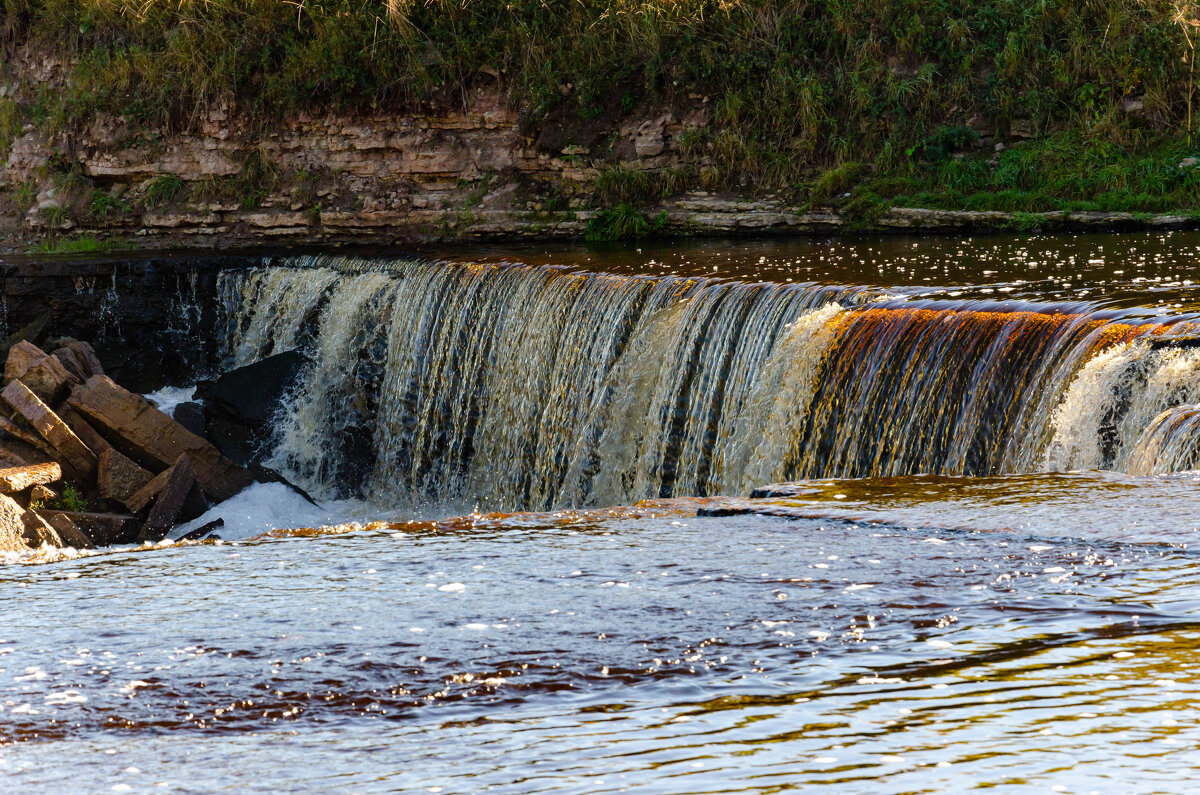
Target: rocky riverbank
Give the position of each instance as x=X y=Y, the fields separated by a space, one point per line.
x=85 y=462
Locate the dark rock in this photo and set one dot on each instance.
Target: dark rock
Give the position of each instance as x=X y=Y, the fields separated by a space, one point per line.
x=264 y=474
x=181 y=477
x=102 y=528
x=34 y=332
x=241 y=405
x=192 y=416
x=204 y=530
x=1174 y=342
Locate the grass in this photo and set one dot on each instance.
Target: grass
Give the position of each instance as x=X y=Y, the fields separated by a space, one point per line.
x=82 y=244
x=10 y=123
x=1064 y=171
x=164 y=190
x=624 y=222
x=813 y=100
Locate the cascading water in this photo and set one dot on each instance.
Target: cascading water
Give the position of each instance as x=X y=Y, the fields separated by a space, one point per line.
x=513 y=386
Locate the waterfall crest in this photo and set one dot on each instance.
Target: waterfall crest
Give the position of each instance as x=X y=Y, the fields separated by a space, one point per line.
x=532 y=387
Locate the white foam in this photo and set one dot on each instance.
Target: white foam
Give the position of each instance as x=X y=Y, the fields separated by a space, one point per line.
x=169 y=397
x=263 y=507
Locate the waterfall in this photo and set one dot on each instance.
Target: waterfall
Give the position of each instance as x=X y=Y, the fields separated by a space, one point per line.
x=511 y=386
x=1171 y=443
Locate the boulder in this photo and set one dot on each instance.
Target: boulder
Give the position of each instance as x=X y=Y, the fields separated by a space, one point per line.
x=69 y=532
x=135 y=427
x=14 y=479
x=191 y=415
x=102 y=528
x=12 y=526
x=118 y=477
x=44 y=374
x=169 y=504
x=241 y=404
x=51 y=428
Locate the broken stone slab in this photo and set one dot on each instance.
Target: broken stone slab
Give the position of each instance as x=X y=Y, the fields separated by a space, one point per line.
x=138 y=501
x=118 y=477
x=49 y=380
x=46 y=375
x=84 y=430
x=12 y=526
x=103 y=529
x=35 y=332
x=86 y=355
x=138 y=429
x=21 y=447
x=20 y=358
x=42 y=495
x=68 y=531
x=71 y=362
x=181 y=477
x=39 y=532
x=10 y=455
x=51 y=428
x=14 y=479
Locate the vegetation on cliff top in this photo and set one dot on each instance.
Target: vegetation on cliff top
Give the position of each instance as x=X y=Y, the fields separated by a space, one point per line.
x=818 y=98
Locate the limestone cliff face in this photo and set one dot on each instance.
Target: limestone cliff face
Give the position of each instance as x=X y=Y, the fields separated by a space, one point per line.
x=467 y=173
x=472 y=172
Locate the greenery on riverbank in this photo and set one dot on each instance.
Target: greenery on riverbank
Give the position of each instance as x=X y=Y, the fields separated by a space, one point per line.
x=815 y=99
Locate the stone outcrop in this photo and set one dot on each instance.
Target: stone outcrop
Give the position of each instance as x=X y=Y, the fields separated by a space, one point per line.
x=60 y=488
x=472 y=172
x=138 y=429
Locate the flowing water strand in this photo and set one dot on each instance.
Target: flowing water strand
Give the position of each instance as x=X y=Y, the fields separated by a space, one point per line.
x=1171 y=443
x=267 y=308
x=768 y=428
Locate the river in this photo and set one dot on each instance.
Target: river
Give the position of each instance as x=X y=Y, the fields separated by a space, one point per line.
x=982 y=576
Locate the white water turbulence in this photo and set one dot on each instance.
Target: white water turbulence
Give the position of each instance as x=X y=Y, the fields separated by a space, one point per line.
x=1119 y=402
x=516 y=387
